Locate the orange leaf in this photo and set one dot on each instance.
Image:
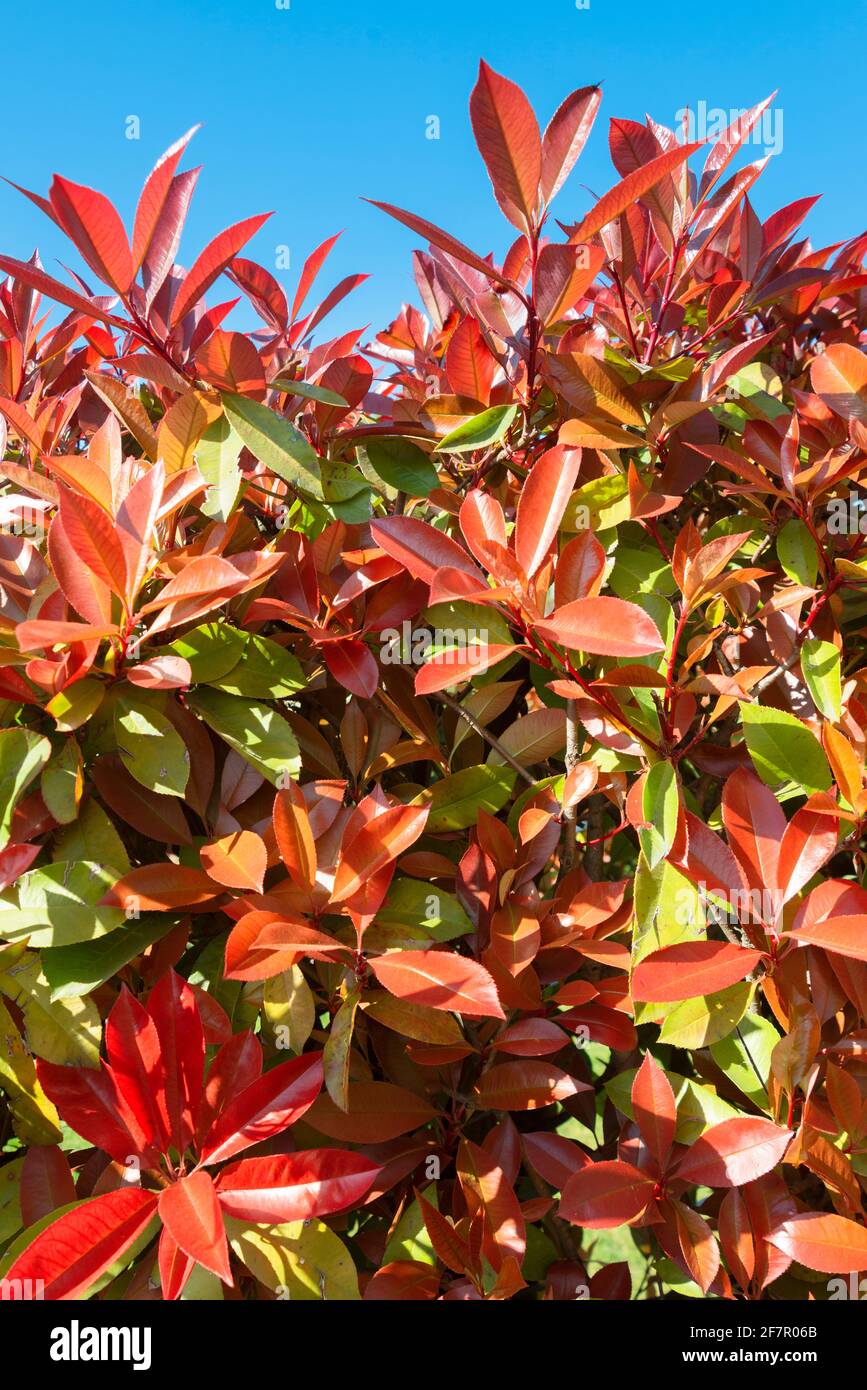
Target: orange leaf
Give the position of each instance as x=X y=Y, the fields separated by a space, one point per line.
x=238 y=860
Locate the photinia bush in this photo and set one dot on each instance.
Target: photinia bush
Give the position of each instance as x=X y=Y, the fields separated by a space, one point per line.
x=432 y=795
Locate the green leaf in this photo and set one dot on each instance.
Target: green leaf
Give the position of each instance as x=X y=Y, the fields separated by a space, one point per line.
x=346 y=490
x=288 y=1004
x=465 y=627
x=639 y=572
x=797 y=553
x=77 y=969
x=455 y=801
x=34 y=1118
x=217 y=454
x=258 y=733
x=309 y=393
x=659 y=808
x=414 y=903
x=72 y=707
x=300 y=1260
x=401 y=464
x=57 y=905
x=784 y=750
x=265 y=671
x=61 y=783
x=598 y=504
x=820 y=663
x=338 y=1050
x=409 y=1240
x=91 y=836
x=705 y=1020
x=211 y=649
x=745 y=1057
x=22 y=754
x=11 y=1220
x=151 y=748
x=275 y=442
x=65 y=1031
x=480 y=431
x=698 y=1107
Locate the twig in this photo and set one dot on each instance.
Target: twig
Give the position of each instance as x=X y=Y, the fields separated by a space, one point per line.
x=484 y=733
x=570 y=815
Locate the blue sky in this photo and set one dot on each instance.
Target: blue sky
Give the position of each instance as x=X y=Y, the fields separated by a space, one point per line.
x=307 y=108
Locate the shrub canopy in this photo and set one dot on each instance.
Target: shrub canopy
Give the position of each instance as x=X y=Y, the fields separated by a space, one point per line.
x=432 y=770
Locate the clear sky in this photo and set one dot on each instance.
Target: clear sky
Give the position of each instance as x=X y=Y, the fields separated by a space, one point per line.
x=307 y=108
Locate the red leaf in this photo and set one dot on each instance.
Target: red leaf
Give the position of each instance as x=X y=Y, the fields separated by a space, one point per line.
x=565 y=138
x=376 y=845
x=531 y=1037
x=239 y=860
x=629 y=190
x=831 y=1244
x=40 y=633
x=690 y=969
x=542 y=504
x=377 y=1111
x=654 y=1108
x=470 y=364
x=46 y=1183
x=236 y=1066
x=311 y=269
x=421 y=549
x=755 y=825
x=154 y=196
x=809 y=841
x=606 y=1194
x=844 y=936
x=563 y=273
x=90 y=1102
x=212 y=262
x=133 y=1049
x=509 y=141
x=161 y=887
x=71 y=1253
x=444 y=240
x=295 y=837
x=172 y=1006
x=440 y=981
x=92 y=222
x=525 y=1085
x=403 y=1281
x=295 y=1187
x=697 y=1244
x=353 y=665
x=488 y=1190
x=36 y=279
x=264 y=943
x=175 y=1267
x=735 y=1152
x=161 y=673
x=555 y=1159
x=191 y=1214
x=268 y=1106
x=603 y=626
x=451 y=667
x=166 y=236
x=449 y=1247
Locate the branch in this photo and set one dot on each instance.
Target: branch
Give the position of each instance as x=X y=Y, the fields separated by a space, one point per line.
x=484 y=733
